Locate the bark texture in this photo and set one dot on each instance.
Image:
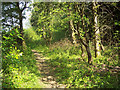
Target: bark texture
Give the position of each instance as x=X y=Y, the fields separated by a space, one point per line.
x=97 y=40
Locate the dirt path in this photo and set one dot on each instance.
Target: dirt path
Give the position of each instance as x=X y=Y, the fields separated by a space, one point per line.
x=47 y=76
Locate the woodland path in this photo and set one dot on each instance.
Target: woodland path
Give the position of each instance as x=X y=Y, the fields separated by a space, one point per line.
x=47 y=76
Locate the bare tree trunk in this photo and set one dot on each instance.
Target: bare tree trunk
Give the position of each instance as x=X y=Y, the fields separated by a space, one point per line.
x=73 y=32
x=86 y=42
x=81 y=45
x=72 y=27
x=97 y=40
x=86 y=37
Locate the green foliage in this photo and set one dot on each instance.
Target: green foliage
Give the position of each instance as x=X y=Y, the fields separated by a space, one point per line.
x=11 y=39
x=30 y=34
x=71 y=69
x=65 y=59
x=19 y=68
x=50 y=22
x=12 y=14
x=49 y=35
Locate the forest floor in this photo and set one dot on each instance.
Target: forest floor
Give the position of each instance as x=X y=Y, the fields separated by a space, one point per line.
x=47 y=75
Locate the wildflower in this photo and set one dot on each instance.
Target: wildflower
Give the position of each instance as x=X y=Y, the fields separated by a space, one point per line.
x=20 y=54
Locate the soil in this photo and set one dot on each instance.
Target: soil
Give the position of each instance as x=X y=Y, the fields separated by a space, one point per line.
x=47 y=76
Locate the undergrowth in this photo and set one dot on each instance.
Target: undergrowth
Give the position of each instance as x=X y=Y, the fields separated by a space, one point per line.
x=69 y=67
x=19 y=68
x=20 y=71
x=73 y=70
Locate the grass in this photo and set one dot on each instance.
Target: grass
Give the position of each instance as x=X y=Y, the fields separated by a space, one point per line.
x=67 y=64
x=23 y=74
x=69 y=68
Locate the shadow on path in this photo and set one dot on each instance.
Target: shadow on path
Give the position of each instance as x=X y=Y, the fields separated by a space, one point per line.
x=47 y=76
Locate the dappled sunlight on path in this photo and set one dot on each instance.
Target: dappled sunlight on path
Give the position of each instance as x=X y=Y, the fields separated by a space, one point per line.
x=47 y=75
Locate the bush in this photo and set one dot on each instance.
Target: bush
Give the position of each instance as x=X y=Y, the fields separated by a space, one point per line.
x=11 y=39
x=19 y=68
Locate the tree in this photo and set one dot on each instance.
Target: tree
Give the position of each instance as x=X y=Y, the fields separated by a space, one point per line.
x=20 y=11
x=86 y=23
x=97 y=40
x=13 y=15
x=9 y=15
x=86 y=42
x=72 y=24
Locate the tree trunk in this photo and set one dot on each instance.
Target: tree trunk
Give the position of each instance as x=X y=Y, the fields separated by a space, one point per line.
x=81 y=45
x=97 y=40
x=70 y=31
x=73 y=32
x=86 y=42
x=72 y=27
x=22 y=42
x=86 y=37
